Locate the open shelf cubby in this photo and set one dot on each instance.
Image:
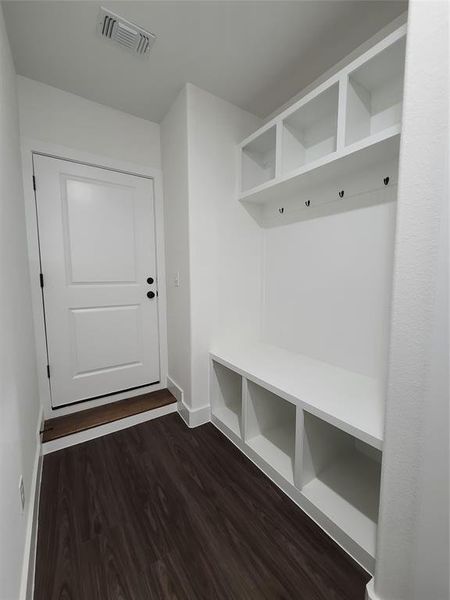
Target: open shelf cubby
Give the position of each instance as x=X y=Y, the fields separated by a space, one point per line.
x=375 y=92
x=341 y=478
x=258 y=160
x=310 y=132
x=226 y=397
x=341 y=128
x=270 y=428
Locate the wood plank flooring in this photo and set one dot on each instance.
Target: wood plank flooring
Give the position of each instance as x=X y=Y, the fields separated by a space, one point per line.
x=162 y=511
x=93 y=417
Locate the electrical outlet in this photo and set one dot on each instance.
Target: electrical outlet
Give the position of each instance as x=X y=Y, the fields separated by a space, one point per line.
x=22 y=493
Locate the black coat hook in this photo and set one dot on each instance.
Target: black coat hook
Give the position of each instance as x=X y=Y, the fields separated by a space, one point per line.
x=341 y=194
x=308 y=203
x=281 y=211
x=386 y=180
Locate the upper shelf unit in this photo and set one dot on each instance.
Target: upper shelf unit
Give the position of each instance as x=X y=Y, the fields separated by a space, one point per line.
x=310 y=132
x=374 y=94
x=346 y=124
x=258 y=160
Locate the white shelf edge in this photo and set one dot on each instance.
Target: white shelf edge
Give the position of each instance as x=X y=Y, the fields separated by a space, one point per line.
x=259 y=188
x=229 y=433
x=382 y=45
x=255 y=135
x=345 y=72
x=372 y=139
x=342 y=424
x=350 y=519
x=229 y=418
x=273 y=455
x=348 y=150
x=389 y=40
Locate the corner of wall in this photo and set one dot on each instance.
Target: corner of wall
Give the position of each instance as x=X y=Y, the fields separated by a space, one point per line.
x=20 y=404
x=29 y=556
x=370 y=591
x=174 y=146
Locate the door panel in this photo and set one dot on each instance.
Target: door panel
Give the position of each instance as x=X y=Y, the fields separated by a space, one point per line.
x=97 y=241
x=88 y=205
x=94 y=335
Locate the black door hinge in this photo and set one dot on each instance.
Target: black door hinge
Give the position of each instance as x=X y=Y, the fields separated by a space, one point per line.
x=34 y=183
x=48 y=371
x=41 y=279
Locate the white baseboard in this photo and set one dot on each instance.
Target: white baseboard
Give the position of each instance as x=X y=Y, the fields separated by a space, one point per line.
x=183 y=411
x=175 y=389
x=370 y=591
x=95 y=432
x=194 y=417
x=29 y=555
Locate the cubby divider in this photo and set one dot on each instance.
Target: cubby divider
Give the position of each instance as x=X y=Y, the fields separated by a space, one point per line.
x=271 y=429
x=341 y=128
x=258 y=160
x=329 y=466
x=226 y=397
x=310 y=132
x=374 y=94
x=341 y=478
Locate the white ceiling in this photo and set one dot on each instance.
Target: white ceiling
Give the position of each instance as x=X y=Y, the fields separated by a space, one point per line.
x=254 y=54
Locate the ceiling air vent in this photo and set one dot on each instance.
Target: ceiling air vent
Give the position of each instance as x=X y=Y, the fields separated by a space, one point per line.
x=126 y=34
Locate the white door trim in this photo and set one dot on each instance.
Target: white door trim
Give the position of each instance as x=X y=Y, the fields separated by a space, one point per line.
x=30 y=147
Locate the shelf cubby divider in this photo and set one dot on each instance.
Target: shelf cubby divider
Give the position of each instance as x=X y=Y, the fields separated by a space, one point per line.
x=310 y=132
x=343 y=126
x=258 y=160
x=340 y=476
x=374 y=94
x=314 y=429
x=271 y=429
x=226 y=397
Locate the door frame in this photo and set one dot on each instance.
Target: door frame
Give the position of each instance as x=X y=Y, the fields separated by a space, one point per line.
x=31 y=147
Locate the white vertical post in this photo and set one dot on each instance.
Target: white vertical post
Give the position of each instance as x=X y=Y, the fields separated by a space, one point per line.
x=299 y=444
x=278 y=149
x=413 y=534
x=342 y=112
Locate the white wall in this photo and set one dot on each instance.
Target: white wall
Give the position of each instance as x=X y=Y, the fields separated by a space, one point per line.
x=19 y=404
x=328 y=284
x=210 y=239
x=176 y=220
x=225 y=242
x=413 y=533
x=51 y=115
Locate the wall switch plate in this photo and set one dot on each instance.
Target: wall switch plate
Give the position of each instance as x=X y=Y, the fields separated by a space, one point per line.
x=22 y=493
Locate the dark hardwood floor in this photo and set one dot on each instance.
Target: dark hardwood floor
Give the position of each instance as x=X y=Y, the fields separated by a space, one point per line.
x=93 y=417
x=163 y=511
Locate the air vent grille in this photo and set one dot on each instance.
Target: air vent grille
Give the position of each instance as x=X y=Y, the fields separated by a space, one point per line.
x=108 y=25
x=120 y=31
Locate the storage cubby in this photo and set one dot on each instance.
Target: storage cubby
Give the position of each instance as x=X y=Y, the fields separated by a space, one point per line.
x=226 y=397
x=375 y=92
x=258 y=160
x=318 y=432
x=339 y=130
x=341 y=478
x=310 y=132
x=271 y=429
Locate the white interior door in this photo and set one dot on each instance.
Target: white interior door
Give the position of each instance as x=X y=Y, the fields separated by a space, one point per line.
x=97 y=242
